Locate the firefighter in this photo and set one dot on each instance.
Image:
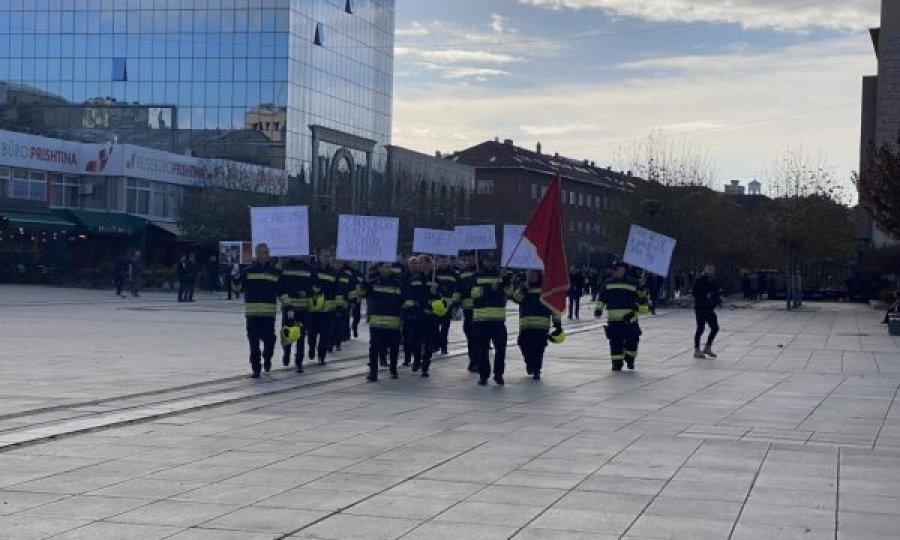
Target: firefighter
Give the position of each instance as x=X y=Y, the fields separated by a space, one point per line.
x=465 y=295
x=489 y=295
x=346 y=288
x=356 y=302
x=260 y=284
x=619 y=296
x=296 y=287
x=321 y=319
x=411 y=310
x=535 y=320
x=448 y=289
x=384 y=297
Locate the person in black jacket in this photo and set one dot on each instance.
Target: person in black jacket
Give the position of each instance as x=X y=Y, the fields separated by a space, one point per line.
x=384 y=297
x=296 y=291
x=535 y=319
x=260 y=284
x=490 y=291
x=576 y=291
x=322 y=309
x=706 y=300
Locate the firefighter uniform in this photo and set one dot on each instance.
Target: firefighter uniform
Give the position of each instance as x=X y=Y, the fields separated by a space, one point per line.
x=346 y=287
x=321 y=316
x=448 y=289
x=489 y=295
x=619 y=296
x=464 y=293
x=356 y=303
x=260 y=284
x=295 y=288
x=384 y=298
x=421 y=325
x=535 y=320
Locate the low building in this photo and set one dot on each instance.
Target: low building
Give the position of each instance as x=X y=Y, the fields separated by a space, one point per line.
x=735 y=188
x=510 y=181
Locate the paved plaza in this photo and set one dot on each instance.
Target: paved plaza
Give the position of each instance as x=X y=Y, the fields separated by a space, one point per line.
x=135 y=419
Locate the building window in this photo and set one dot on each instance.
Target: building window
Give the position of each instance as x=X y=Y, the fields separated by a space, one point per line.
x=31 y=186
x=543 y=191
x=535 y=191
x=572 y=198
x=320 y=35
x=485 y=187
x=137 y=200
x=119 y=69
x=64 y=190
x=4 y=179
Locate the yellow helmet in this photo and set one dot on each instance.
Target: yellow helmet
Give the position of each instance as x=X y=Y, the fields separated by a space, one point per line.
x=439 y=307
x=291 y=334
x=318 y=302
x=557 y=337
x=644 y=309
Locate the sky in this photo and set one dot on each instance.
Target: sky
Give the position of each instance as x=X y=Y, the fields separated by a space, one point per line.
x=744 y=80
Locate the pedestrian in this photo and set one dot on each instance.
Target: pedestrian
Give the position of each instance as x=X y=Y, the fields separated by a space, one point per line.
x=212 y=274
x=384 y=299
x=190 y=278
x=235 y=280
x=321 y=320
x=137 y=274
x=120 y=274
x=260 y=284
x=411 y=312
x=576 y=291
x=489 y=295
x=619 y=297
x=465 y=286
x=356 y=302
x=535 y=320
x=423 y=322
x=448 y=289
x=296 y=291
x=706 y=299
x=182 y=272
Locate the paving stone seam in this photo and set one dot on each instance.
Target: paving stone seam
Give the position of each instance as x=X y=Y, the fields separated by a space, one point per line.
x=837 y=494
x=737 y=519
x=887 y=413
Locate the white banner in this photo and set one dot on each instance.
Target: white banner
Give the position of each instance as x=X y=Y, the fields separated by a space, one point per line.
x=649 y=250
x=367 y=238
x=435 y=242
x=55 y=155
x=523 y=257
x=477 y=237
x=284 y=228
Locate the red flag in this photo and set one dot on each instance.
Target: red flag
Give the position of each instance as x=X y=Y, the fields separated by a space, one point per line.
x=545 y=232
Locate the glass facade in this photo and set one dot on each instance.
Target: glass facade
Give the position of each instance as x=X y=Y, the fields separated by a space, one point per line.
x=234 y=79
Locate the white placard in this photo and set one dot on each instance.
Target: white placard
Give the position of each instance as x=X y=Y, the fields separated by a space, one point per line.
x=649 y=250
x=523 y=257
x=284 y=228
x=367 y=238
x=435 y=242
x=477 y=237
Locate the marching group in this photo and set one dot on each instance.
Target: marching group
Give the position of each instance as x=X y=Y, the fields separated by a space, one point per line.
x=412 y=306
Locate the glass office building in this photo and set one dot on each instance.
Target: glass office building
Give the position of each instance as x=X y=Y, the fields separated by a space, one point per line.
x=236 y=79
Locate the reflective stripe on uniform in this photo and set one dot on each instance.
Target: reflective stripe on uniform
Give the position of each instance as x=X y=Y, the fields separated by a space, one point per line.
x=468 y=304
x=621 y=287
x=297 y=273
x=490 y=314
x=632 y=354
x=260 y=309
x=384 y=321
x=617 y=356
x=260 y=276
x=618 y=314
x=534 y=322
x=488 y=281
x=386 y=290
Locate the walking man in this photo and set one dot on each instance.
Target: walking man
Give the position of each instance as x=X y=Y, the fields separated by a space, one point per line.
x=535 y=319
x=706 y=300
x=489 y=295
x=260 y=283
x=576 y=291
x=384 y=297
x=619 y=296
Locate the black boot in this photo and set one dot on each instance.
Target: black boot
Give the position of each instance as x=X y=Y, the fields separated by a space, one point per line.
x=630 y=363
x=286 y=358
x=394 y=374
x=372 y=376
x=499 y=380
x=267 y=364
x=617 y=365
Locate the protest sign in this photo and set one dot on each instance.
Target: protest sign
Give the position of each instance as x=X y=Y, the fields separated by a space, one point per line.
x=476 y=237
x=230 y=252
x=435 y=242
x=367 y=238
x=284 y=228
x=518 y=252
x=649 y=250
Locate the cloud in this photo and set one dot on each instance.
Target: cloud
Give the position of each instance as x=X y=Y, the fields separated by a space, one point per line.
x=746 y=108
x=415 y=29
x=498 y=23
x=464 y=72
x=454 y=56
x=778 y=14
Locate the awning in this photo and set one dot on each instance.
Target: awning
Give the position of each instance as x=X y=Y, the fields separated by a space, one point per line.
x=37 y=222
x=109 y=223
x=171 y=228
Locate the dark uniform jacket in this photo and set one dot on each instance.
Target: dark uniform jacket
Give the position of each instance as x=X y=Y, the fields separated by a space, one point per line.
x=325 y=284
x=346 y=286
x=489 y=294
x=385 y=299
x=533 y=314
x=448 y=285
x=417 y=296
x=296 y=285
x=706 y=294
x=260 y=283
x=464 y=288
x=620 y=298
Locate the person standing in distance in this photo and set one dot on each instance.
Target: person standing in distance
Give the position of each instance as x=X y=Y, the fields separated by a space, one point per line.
x=260 y=284
x=619 y=296
x=576 y=291
x=706 y=300
x=535 y=320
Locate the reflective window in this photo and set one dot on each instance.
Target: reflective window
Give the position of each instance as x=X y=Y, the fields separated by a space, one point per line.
x=119 y=70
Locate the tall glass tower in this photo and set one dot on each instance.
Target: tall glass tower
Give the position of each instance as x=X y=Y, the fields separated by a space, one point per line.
x=261 y=81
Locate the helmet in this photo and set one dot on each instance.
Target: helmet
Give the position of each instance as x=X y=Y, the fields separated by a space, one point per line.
x=557 y=337
x=291 y=334
x=439 y=307
x=644 y=309
x=318 y=302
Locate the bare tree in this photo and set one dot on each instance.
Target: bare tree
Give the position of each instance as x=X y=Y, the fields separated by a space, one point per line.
x=669 y=160
x=879 y=190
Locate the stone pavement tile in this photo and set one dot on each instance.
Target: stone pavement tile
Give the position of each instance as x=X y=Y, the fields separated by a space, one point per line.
x=569 y=466
x=85 y=507
x=509 y=515
x=102 y=530
x=360 y=483
x=759 y=531
x=304 y=498
x=275 y=477
x=617 y=503
x=541 y=479
x=174 y=513
x=821 y=500
x=209 y=534
x=352 y=451
x=528 y=496
x=694 y=508
x=714 y=491
x=589 y=521
x=400 y=507
x=622 y=484
x=347 y=527
x=851 y=502
x=675 y=528
x=144 y=488
x=870 y=487
x=385 y=467
x=16 y=501
x=851 y=524
x=258 y=519
x=827 y=484
x=18 y=527
x=197 y=473
x=437 y=489
x=222 y=493
x=790 y=516
x=72 y=483
x=548 y=534
x=457 y=531
x=306 y=462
